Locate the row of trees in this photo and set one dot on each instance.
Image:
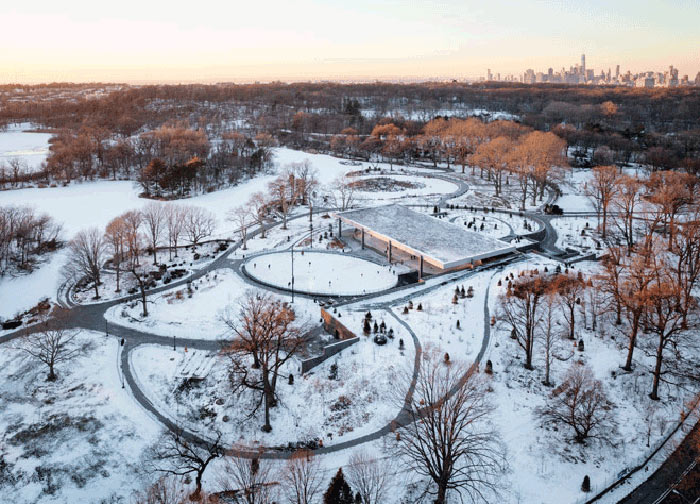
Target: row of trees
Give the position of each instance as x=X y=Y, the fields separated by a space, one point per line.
x=296 y=184
x=128 y=236
x=627 y=124
x=649 y=287
x=24 y=234
x=501 y=149
x=660 y=199
x=256 y=480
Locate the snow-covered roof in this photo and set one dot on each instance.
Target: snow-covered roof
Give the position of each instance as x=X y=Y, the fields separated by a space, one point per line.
x=440 y=242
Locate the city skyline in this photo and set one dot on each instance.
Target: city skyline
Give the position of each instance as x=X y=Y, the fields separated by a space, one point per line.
x=580 y=73
x=310 y=40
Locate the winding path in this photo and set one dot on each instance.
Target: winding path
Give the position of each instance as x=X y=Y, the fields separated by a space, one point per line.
x=91 y=316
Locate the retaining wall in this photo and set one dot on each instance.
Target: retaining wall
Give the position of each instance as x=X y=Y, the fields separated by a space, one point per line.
x=335 y=327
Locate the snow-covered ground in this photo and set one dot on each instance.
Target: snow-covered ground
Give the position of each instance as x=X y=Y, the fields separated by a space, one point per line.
x=28 y=147
x=542 y=458
x=365 y=397
x=569 y=233
x=321 y=273
x=177 y=313
x=427 y=186
x=495 y=225
x=78 y=439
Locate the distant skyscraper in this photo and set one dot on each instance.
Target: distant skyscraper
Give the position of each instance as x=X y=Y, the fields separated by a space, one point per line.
x=583 y=65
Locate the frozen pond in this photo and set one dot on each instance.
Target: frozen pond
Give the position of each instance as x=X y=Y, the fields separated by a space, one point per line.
x=17 y=142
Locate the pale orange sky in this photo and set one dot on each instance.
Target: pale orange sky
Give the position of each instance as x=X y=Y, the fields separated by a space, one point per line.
x=142 y=41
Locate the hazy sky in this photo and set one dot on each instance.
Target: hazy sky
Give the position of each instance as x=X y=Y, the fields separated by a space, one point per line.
x=207 y=40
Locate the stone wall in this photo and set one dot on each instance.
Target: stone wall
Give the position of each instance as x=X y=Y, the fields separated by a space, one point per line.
x=328 y=351
x=334 y=327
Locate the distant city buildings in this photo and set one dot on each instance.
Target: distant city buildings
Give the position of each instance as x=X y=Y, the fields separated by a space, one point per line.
x=579 y=74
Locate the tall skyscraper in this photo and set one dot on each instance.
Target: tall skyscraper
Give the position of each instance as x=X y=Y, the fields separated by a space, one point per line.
x=583 y=65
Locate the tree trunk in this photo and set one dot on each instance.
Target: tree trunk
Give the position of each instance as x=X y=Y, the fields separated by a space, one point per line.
x=632 y=343
x=442 y=492
x=572 y=325
x=143 y=299
x=657 y=370
x=605 y=220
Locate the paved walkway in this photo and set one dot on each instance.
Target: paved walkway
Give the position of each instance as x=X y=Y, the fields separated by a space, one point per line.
x=92 y=317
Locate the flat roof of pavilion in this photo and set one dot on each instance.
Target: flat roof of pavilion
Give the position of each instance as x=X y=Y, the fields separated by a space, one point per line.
x=440 y=242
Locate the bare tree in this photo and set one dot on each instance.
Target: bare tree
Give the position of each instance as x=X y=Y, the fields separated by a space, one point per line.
x=628 y=199
x=174 y=223
x=133 y=221
x=580 y=403
x=369 y=477
x=666 y=316
x=448 y=436
x=86 y=255
x=283 y=194
x=521 y=310
x=176 y=455
x=251 y=480
x=140 y=279
x=266 y=336
x=302 y=477
x=199 y=223
x=53 y=344
x=306 y=177
x=239 y=216
x=116 y=238
x=342 y=193
x=601 y=190
x=153 y=215
x=258 y=209
x=550 y=335
x=570 y=288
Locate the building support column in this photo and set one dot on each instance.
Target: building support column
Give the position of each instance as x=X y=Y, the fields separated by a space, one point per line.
x=340 y=229
x=363 y=238
x=420 y=273
x=389 y=251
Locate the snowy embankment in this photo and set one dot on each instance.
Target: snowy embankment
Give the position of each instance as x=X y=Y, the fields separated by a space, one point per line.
x=78 y=439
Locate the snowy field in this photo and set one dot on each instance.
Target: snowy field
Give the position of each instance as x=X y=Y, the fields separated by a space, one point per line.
x=175 y=313
x=321 y=273
x=78 y=439
x=28 y=147
x=569 y=233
